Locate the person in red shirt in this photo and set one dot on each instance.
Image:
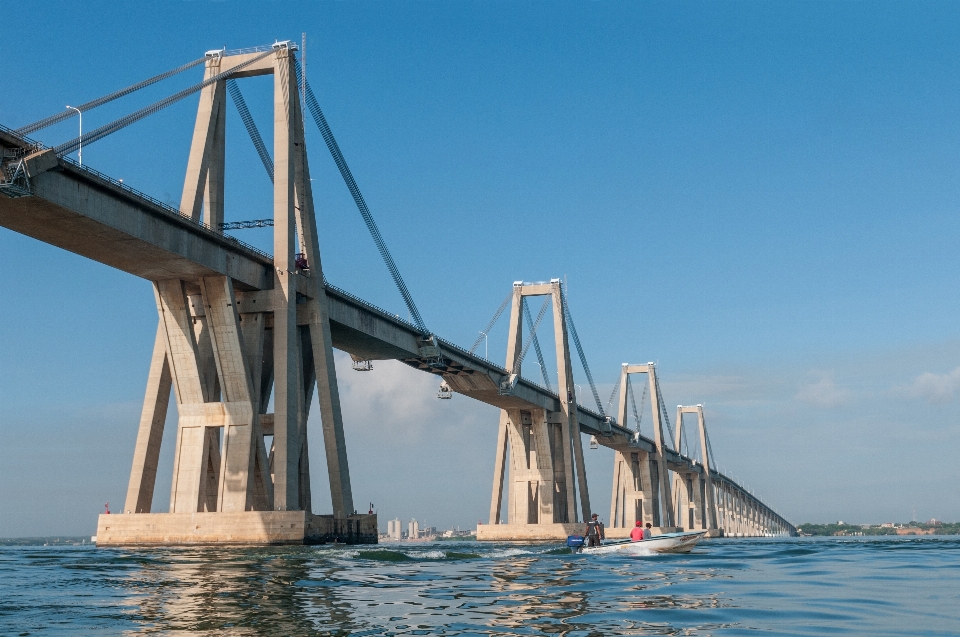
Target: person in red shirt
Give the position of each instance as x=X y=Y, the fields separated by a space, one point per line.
x=637 y=533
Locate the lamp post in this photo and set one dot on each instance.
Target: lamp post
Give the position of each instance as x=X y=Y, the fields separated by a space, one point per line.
x=485 y=351
x=80 y=149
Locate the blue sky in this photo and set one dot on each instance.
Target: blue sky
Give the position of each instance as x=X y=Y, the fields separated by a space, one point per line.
x=761 y=197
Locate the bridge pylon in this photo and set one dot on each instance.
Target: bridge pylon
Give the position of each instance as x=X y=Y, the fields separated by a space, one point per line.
x=641 y=481
x=242 y=475
x=693 y=488
x=544 y=447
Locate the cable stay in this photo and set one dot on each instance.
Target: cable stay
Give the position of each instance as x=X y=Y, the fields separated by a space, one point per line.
x=59 y=117
x=663 y=413
x=710 y=452
x=536 y=347
x=496 y=315
x=583 y=358
x=334 y=149
x=72 y=145
x=613 y=394
x=638 y=414
x=683 y=439
x=251 y=126
x=533 y=332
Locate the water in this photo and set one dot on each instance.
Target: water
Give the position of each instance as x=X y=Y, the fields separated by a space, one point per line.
x=901 y=587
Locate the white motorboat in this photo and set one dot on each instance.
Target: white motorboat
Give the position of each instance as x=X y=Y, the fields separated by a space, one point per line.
x=666 y=543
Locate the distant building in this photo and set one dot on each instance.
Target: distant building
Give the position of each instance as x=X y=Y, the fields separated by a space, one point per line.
x=413 y=530
x=886 y=525
x=394 y=529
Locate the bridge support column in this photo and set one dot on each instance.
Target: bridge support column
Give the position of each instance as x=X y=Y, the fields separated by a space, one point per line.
x=223 y=365
x=146 y=456
x=544 y=447
x=643 y=488
x=634 y=493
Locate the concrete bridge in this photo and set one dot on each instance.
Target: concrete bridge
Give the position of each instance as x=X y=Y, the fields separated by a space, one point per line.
x=236 y=324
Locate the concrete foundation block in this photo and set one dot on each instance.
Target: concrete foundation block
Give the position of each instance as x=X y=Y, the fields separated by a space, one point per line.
x=246 y=527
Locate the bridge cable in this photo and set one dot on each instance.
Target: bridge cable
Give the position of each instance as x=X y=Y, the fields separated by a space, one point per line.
x=710 y=451
x=663 y=412
x=533 y=332
x=638 y=415
x=72 y=145
x=59 y=117
x=496 y=315
x=583 y=358
x=247 y=118
x=334 y=149
x=536 y=348
x=614 y=393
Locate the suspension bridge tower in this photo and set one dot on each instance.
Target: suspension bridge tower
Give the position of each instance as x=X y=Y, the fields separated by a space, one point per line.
x=241 y=474
x=546 y=471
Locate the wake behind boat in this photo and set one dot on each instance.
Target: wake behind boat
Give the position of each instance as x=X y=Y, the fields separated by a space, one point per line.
x=666 y=543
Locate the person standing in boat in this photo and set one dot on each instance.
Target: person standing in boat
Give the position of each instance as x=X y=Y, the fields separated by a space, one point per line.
x=594 y=531
x=637 y=533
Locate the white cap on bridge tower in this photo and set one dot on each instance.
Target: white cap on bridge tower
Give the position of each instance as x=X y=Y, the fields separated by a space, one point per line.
x=517 y=283
x=214 y=53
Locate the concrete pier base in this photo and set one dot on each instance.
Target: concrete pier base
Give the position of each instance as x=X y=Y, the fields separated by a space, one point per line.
x=528 y=532
x=224 y=528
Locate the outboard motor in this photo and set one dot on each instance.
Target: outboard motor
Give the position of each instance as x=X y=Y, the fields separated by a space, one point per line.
x=575 y=542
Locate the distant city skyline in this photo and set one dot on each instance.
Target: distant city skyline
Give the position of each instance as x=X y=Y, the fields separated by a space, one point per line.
x=760 y=197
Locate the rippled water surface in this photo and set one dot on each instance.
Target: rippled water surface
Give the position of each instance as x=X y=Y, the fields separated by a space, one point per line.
x=726 y=587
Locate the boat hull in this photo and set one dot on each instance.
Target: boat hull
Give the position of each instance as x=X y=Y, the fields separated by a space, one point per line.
x=667 y=543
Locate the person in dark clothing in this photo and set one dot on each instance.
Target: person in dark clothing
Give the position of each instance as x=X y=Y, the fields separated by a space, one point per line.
x=594 y=531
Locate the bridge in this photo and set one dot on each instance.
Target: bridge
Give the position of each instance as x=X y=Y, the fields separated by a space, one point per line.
x=237 y=326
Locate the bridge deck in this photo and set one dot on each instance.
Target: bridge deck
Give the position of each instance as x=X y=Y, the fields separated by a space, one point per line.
x=90 y=214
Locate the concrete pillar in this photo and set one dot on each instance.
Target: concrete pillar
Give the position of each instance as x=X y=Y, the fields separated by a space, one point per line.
x=630 y=498
x=545 y=450
x=206 y=149
x=658 y=504
x=568 y=406
x=331 y=417
x=286 y=357
x=500 y=461
x=146 y=455
x=664 y=474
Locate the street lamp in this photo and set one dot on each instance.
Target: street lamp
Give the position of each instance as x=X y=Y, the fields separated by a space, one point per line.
x=485 y=351
x=579 y=391
x=80 y=149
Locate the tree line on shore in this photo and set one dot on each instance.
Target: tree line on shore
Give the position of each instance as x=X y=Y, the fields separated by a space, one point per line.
x=907 y=528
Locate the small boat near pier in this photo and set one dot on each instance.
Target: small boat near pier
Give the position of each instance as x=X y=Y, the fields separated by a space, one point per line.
x=666 y=543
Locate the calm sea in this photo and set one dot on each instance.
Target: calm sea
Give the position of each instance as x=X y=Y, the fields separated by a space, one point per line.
x=908 y=586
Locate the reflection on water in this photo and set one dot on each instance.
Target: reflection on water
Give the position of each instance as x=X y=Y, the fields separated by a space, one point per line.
x=729 y=587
